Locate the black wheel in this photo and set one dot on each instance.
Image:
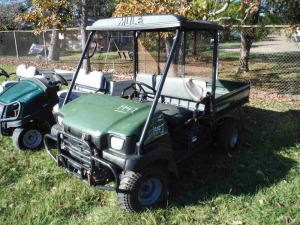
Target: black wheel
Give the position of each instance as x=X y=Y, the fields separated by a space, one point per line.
x=138 y=191
x=28 y=138
x=228 y=135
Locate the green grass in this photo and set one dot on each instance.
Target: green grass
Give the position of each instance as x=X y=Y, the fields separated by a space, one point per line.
x=211 y=189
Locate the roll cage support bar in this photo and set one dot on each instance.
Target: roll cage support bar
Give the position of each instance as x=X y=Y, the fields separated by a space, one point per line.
x=139 y=144
x=157 y=96
x=215 y=35
x=83 y=56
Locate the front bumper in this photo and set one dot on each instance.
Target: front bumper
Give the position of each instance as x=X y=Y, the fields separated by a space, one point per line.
x=9 y=122
x=82 y=167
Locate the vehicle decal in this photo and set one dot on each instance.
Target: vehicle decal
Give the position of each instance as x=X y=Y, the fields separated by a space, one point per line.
x=126 y=109
x=28 y=95
x=131 y=20
x=157 y=129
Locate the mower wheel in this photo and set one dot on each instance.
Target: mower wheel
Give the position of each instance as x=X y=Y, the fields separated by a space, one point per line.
x=228 y=135
x=30 y=138
x=140 y=190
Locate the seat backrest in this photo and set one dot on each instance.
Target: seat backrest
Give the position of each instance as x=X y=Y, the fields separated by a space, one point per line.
x=67 y=74
x=147 y=78
x=24 y=72
x=91 y=82
x=177 y=87
x=183 y=88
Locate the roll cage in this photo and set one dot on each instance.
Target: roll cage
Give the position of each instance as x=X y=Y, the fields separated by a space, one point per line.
x=136 y=24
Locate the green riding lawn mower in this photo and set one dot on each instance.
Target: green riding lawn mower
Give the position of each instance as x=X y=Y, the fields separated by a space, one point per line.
x=135 y=133
x=26 y=105
x=29 y=106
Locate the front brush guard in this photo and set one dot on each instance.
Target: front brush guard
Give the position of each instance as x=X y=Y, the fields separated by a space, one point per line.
x=4 y=120
x=64 y=161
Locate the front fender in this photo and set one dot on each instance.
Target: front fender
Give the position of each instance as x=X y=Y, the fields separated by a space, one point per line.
x=165 y=156
x=159 y=151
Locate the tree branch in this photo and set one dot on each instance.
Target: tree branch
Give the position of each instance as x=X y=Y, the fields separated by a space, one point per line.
x=227 y=18
x=235 y=19
x=223 y=9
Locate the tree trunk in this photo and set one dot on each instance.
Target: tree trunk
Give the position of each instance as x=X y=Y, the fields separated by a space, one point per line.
x=194 y=43
x=54 y=46
x=175 y=69
x=246 y=43
x=84 y=23
x=247 y=37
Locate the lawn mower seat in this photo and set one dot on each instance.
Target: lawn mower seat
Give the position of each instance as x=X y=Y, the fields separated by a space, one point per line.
x=22 y=71
x=178 y=97
x=48 y=74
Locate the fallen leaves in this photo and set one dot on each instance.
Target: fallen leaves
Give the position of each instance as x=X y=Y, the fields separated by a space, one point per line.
x=28 y=182
x=279 y=206
x=261 y=202
x=53 y=188
x=39 y=65
x=214 y=209
x=275 y=97
x=34 y=201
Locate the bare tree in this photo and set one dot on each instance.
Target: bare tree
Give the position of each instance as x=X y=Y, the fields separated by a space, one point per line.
x=84 y=23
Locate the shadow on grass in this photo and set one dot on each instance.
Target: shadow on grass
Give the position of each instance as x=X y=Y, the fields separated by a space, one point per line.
x=255 y=164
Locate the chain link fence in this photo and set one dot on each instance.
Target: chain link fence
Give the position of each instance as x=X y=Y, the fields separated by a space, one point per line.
x=274 y=58
x=272 y=65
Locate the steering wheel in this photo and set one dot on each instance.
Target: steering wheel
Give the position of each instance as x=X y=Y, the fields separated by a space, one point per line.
x=4 y=73
x=59 y=79
x=141 y=93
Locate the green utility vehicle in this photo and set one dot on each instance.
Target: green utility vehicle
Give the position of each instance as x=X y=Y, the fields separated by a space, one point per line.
x=138 y=133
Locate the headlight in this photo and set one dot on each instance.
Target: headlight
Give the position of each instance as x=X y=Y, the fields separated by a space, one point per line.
x=116 y=143
x=12 y=111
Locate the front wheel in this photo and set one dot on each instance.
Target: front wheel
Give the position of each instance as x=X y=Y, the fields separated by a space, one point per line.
x=140 y=190
x=28 y=138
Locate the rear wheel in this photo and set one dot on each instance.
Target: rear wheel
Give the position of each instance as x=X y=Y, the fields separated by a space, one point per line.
x=228 y=136
x=138 y=191
x=28 y=138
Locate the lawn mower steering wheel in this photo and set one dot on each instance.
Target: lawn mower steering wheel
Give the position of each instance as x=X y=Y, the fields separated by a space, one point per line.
x=141 y=93
x=3 y=73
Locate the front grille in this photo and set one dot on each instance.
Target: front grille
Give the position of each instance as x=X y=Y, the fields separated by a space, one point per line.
x=77 y=150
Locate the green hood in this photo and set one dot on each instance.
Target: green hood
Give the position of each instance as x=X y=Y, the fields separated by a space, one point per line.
x=22 y=91
x=98 y=114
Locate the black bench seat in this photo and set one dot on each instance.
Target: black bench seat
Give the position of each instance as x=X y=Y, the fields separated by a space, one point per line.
x=174 y=115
